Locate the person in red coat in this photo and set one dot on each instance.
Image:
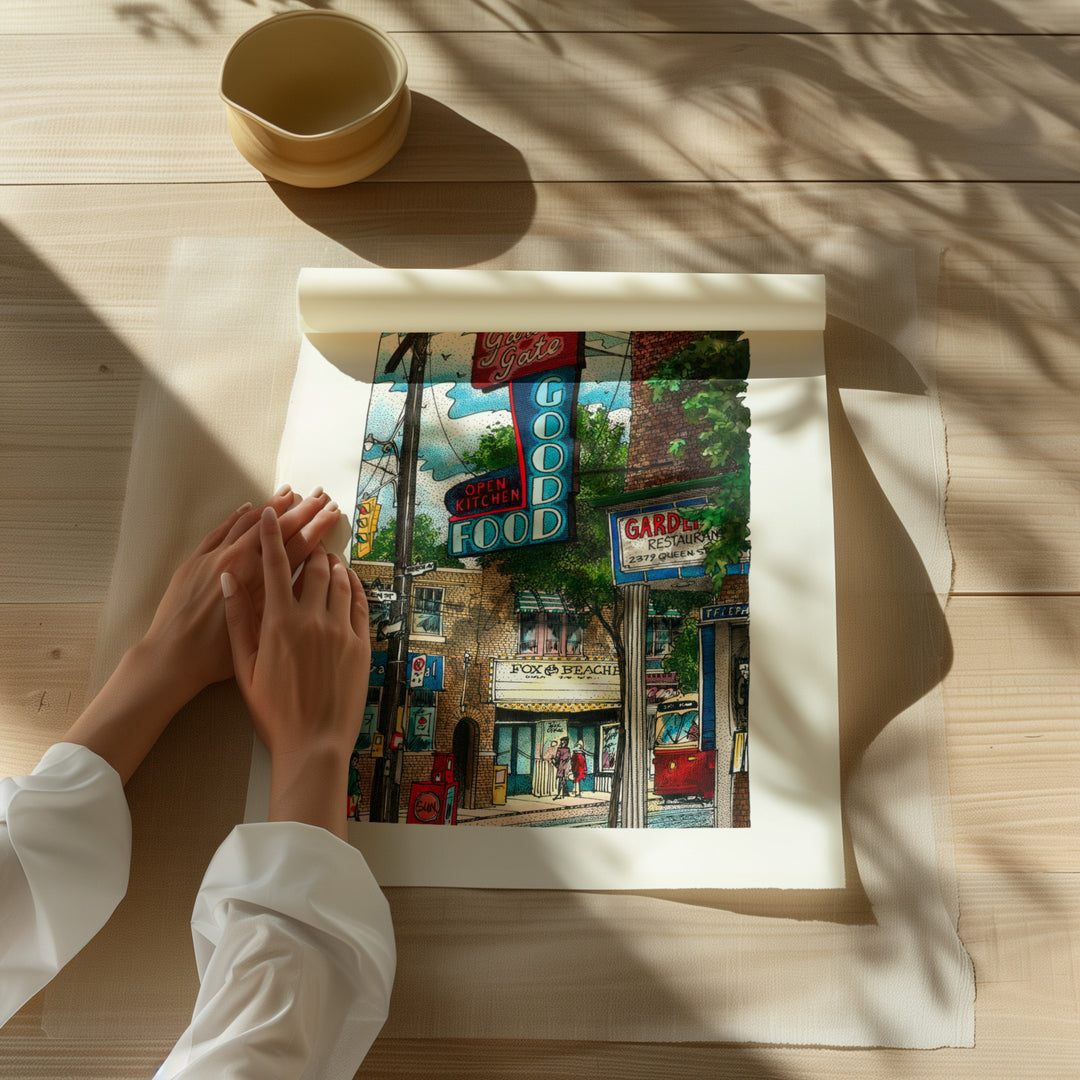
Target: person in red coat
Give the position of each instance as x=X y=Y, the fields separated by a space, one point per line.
x=579 y=767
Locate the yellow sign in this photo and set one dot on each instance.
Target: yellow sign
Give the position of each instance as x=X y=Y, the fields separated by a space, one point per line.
x=367 y=521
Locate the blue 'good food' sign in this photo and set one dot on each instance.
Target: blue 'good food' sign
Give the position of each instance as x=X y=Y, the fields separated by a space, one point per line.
x=530 y=502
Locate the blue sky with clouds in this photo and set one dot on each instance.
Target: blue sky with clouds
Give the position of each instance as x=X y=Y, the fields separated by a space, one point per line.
x=455 y=414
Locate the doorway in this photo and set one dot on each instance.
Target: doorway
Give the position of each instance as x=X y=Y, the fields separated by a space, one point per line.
x=514 y=748
x=466 y=735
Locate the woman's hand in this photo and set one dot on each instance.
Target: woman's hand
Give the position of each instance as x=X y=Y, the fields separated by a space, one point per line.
x=187 y=646
x=303 y=667
x=188 y=629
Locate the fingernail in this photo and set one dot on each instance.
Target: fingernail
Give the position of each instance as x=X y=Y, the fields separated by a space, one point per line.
x=228 y=585
x=268 y=515
x=317 y=492
x=331 y=507
x=283 y=490
x=244 y=509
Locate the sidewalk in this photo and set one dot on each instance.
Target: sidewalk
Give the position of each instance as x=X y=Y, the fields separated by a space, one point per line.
x=532 y=809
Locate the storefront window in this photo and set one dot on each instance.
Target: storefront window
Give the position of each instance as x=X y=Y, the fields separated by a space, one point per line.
x=514 y=748
x=609 y=746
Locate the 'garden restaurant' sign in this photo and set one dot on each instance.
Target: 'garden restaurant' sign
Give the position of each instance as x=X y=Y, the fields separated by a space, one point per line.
x=658 y=543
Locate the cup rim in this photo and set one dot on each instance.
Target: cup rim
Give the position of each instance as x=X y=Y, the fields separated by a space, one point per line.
x=380 y=35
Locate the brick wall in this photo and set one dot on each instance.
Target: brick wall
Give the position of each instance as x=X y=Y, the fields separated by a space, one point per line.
x=740 y=809
x=735 y=589
x=655 y=425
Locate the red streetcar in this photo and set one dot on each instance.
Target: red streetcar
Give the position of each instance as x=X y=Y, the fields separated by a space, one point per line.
x=681 y=764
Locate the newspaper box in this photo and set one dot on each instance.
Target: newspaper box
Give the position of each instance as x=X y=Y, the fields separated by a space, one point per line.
x=432 y=804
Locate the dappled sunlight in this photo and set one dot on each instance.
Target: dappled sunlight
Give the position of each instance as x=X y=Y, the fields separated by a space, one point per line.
x=922 y=155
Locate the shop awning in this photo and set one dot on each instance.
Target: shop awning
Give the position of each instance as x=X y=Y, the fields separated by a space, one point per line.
x=538 y=602
x=529 y=601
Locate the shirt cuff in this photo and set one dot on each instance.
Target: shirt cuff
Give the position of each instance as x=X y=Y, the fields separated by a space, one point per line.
x=65 y=845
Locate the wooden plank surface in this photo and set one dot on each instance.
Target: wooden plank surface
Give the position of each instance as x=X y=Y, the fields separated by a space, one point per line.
x=672 y=135
x=1007 y=298
x=46 y=650
x=191 y=21
x=1021 y=929
x=1012 y=698
x=598 y=106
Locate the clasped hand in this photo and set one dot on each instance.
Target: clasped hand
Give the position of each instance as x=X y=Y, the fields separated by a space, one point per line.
x=302 y=654
x=302 y=666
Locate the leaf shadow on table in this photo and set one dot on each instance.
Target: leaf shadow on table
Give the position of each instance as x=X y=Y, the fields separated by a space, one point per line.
x=72 y=388
x=430 y=181
x=658 y=215
x=879 y=569
x=192 y=21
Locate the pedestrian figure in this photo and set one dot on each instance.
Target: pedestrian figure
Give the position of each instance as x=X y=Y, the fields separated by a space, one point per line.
x=579 y=767
x=354 y=786
x=562 y=767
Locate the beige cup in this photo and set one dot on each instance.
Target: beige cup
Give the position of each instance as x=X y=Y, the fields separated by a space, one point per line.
x=316 y=98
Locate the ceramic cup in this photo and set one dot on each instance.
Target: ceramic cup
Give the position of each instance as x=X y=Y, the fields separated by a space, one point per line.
x=316 y=98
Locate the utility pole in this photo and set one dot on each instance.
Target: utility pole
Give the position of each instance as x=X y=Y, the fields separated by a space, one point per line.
x=633 y=808
x=386 y=780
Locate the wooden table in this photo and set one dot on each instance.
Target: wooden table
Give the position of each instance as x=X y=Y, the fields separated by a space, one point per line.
x=643 y=134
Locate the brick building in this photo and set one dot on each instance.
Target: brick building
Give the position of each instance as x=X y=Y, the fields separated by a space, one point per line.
x=657 y=484
x=444 y=609
x=659 y=423
x=505 y=674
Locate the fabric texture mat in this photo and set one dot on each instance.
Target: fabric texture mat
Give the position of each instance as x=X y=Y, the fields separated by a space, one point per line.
x=878 y=963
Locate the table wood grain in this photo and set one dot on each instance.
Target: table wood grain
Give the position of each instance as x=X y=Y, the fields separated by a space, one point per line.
x=658 y=135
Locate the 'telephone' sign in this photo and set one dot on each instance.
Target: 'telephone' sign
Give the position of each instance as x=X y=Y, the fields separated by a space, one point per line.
x=527 y=503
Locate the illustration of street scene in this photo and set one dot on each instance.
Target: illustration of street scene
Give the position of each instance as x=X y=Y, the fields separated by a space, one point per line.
x=552 y=530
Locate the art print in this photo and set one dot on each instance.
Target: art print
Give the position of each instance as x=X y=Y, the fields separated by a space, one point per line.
x=552 y=529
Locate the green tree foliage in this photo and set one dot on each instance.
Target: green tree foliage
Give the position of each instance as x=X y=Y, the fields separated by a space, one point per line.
x=710 y=372
x=427 y=544
x=577 y=570
x=497 y=449
x=683 y=657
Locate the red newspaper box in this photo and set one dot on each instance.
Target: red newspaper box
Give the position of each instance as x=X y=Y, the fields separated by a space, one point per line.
x=432 y=804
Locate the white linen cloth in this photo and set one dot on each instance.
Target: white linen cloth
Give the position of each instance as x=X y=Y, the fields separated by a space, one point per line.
x=293 y=941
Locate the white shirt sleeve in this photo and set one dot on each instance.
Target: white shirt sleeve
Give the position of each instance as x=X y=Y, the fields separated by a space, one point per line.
x=295 y=954
x=65 y=850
